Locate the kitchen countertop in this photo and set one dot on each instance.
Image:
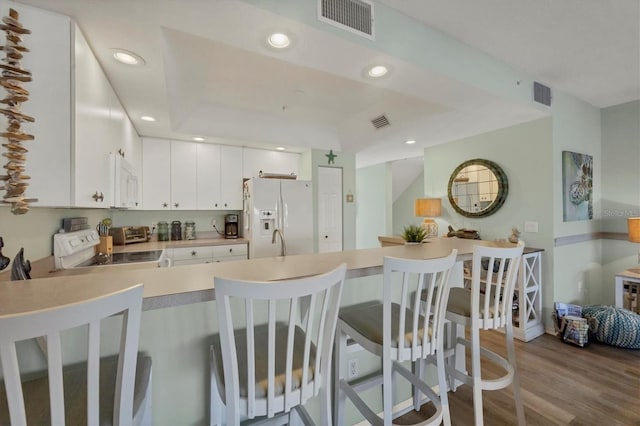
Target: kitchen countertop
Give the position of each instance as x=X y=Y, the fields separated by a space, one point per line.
x=45 y=267
x=180 y=285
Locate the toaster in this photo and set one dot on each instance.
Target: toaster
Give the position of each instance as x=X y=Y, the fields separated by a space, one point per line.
x=129 y=234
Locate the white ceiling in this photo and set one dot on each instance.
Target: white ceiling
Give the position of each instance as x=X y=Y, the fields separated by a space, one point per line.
x=209 y=72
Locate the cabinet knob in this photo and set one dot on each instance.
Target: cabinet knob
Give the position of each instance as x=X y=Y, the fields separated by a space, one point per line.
x=193 y=253
x=165 y=205
x=98 y=197
x=326 y=236
x=230 y=250
x=216 y=204
x=225 y=204
x=176 y=205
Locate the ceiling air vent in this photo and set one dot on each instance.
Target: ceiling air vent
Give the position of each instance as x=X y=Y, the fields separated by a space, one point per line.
x=380 y=122
x=541 y=93
x=355 y=16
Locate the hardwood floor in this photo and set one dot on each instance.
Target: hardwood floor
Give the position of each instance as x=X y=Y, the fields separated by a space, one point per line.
x=561 y=385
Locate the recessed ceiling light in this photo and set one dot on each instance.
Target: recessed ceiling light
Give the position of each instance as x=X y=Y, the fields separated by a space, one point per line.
x=280 y=148
x=128 y=58
x=410 y=142
x=147 y=118
x=279 y=40
x=198 y=139
x=377 y=71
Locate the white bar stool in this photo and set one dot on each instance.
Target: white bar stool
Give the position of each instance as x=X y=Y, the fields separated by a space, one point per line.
x=487 y=305
x=274 y=349
x=113 y=390
x=398 y=329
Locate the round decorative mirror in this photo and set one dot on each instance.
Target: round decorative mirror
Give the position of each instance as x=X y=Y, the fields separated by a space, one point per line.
x=477 y=188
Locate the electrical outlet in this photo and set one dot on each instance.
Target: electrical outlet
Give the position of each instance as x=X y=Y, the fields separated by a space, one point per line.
x=353 y=368
x=213 y=223
x=153 y=227
x=580 y=287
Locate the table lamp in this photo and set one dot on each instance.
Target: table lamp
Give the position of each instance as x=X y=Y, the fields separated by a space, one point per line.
x=633 y=223
x=428 y=208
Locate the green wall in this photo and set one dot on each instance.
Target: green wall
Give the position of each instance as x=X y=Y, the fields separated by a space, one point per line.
x=577 y=128
x=34 y=230
x=620 y=189
x=403 y=213
x=374 y=203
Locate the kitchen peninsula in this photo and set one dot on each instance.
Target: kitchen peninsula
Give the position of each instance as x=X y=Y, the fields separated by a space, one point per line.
x=177 y=336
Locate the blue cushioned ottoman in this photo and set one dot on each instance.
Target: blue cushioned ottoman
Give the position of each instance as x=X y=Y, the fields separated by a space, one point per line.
x=614 y=326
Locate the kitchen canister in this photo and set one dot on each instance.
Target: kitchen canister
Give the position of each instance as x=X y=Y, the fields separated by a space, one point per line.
x=176 y=230
x=189 y=230
x=163 y=231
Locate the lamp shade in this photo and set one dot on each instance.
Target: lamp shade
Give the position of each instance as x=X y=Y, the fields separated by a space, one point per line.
x=633 y=223
x=428 y=207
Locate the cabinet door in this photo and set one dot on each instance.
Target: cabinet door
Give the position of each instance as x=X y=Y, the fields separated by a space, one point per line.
x=231 y=178
x=156 y=174
x=230 y=252
x=50 y=103
x=92 y=129
x=256 y=160
x=183 y=175
x=208 y=176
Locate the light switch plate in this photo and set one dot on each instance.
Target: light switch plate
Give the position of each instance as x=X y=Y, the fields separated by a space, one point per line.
x=531 y=227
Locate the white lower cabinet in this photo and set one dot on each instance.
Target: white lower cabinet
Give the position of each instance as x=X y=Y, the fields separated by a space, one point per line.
x=206 y=254
x=230 y=252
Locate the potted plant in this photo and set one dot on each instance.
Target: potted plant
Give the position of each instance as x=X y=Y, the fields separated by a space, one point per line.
x=414 y=234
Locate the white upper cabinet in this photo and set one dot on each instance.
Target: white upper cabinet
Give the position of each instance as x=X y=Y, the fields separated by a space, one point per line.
x=183 y=175
x=231 y=171
x=49 y=60
x=156 y=174
x=219 y=170
x=257 y=160
x=208 y=180
x=78 y=117
x=93 y=129
x=168 y=175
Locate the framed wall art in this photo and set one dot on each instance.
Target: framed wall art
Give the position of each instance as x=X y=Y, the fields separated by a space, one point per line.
x=577 y=186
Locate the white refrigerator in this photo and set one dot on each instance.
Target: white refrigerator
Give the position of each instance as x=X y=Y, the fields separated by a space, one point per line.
x=278 y=217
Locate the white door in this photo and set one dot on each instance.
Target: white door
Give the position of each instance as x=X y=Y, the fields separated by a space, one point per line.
x=329 y=209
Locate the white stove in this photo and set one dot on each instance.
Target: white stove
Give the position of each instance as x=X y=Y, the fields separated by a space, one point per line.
x=73 y=248
x=77 y=250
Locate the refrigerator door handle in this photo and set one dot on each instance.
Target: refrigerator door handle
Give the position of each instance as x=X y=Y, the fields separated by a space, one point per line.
x=283 y=245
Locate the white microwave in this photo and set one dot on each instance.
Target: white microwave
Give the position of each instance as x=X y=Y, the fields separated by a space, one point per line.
x=124 y=183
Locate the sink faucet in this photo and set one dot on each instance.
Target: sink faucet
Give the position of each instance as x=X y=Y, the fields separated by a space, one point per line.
x=283 y=247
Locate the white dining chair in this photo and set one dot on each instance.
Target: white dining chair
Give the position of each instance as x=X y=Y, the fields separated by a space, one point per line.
x=274 y=348
x=397 y=329
x=487 y=305
x=111 y=390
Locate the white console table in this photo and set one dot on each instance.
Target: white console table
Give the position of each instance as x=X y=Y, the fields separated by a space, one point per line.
x=527 y=321
x=630 y=277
